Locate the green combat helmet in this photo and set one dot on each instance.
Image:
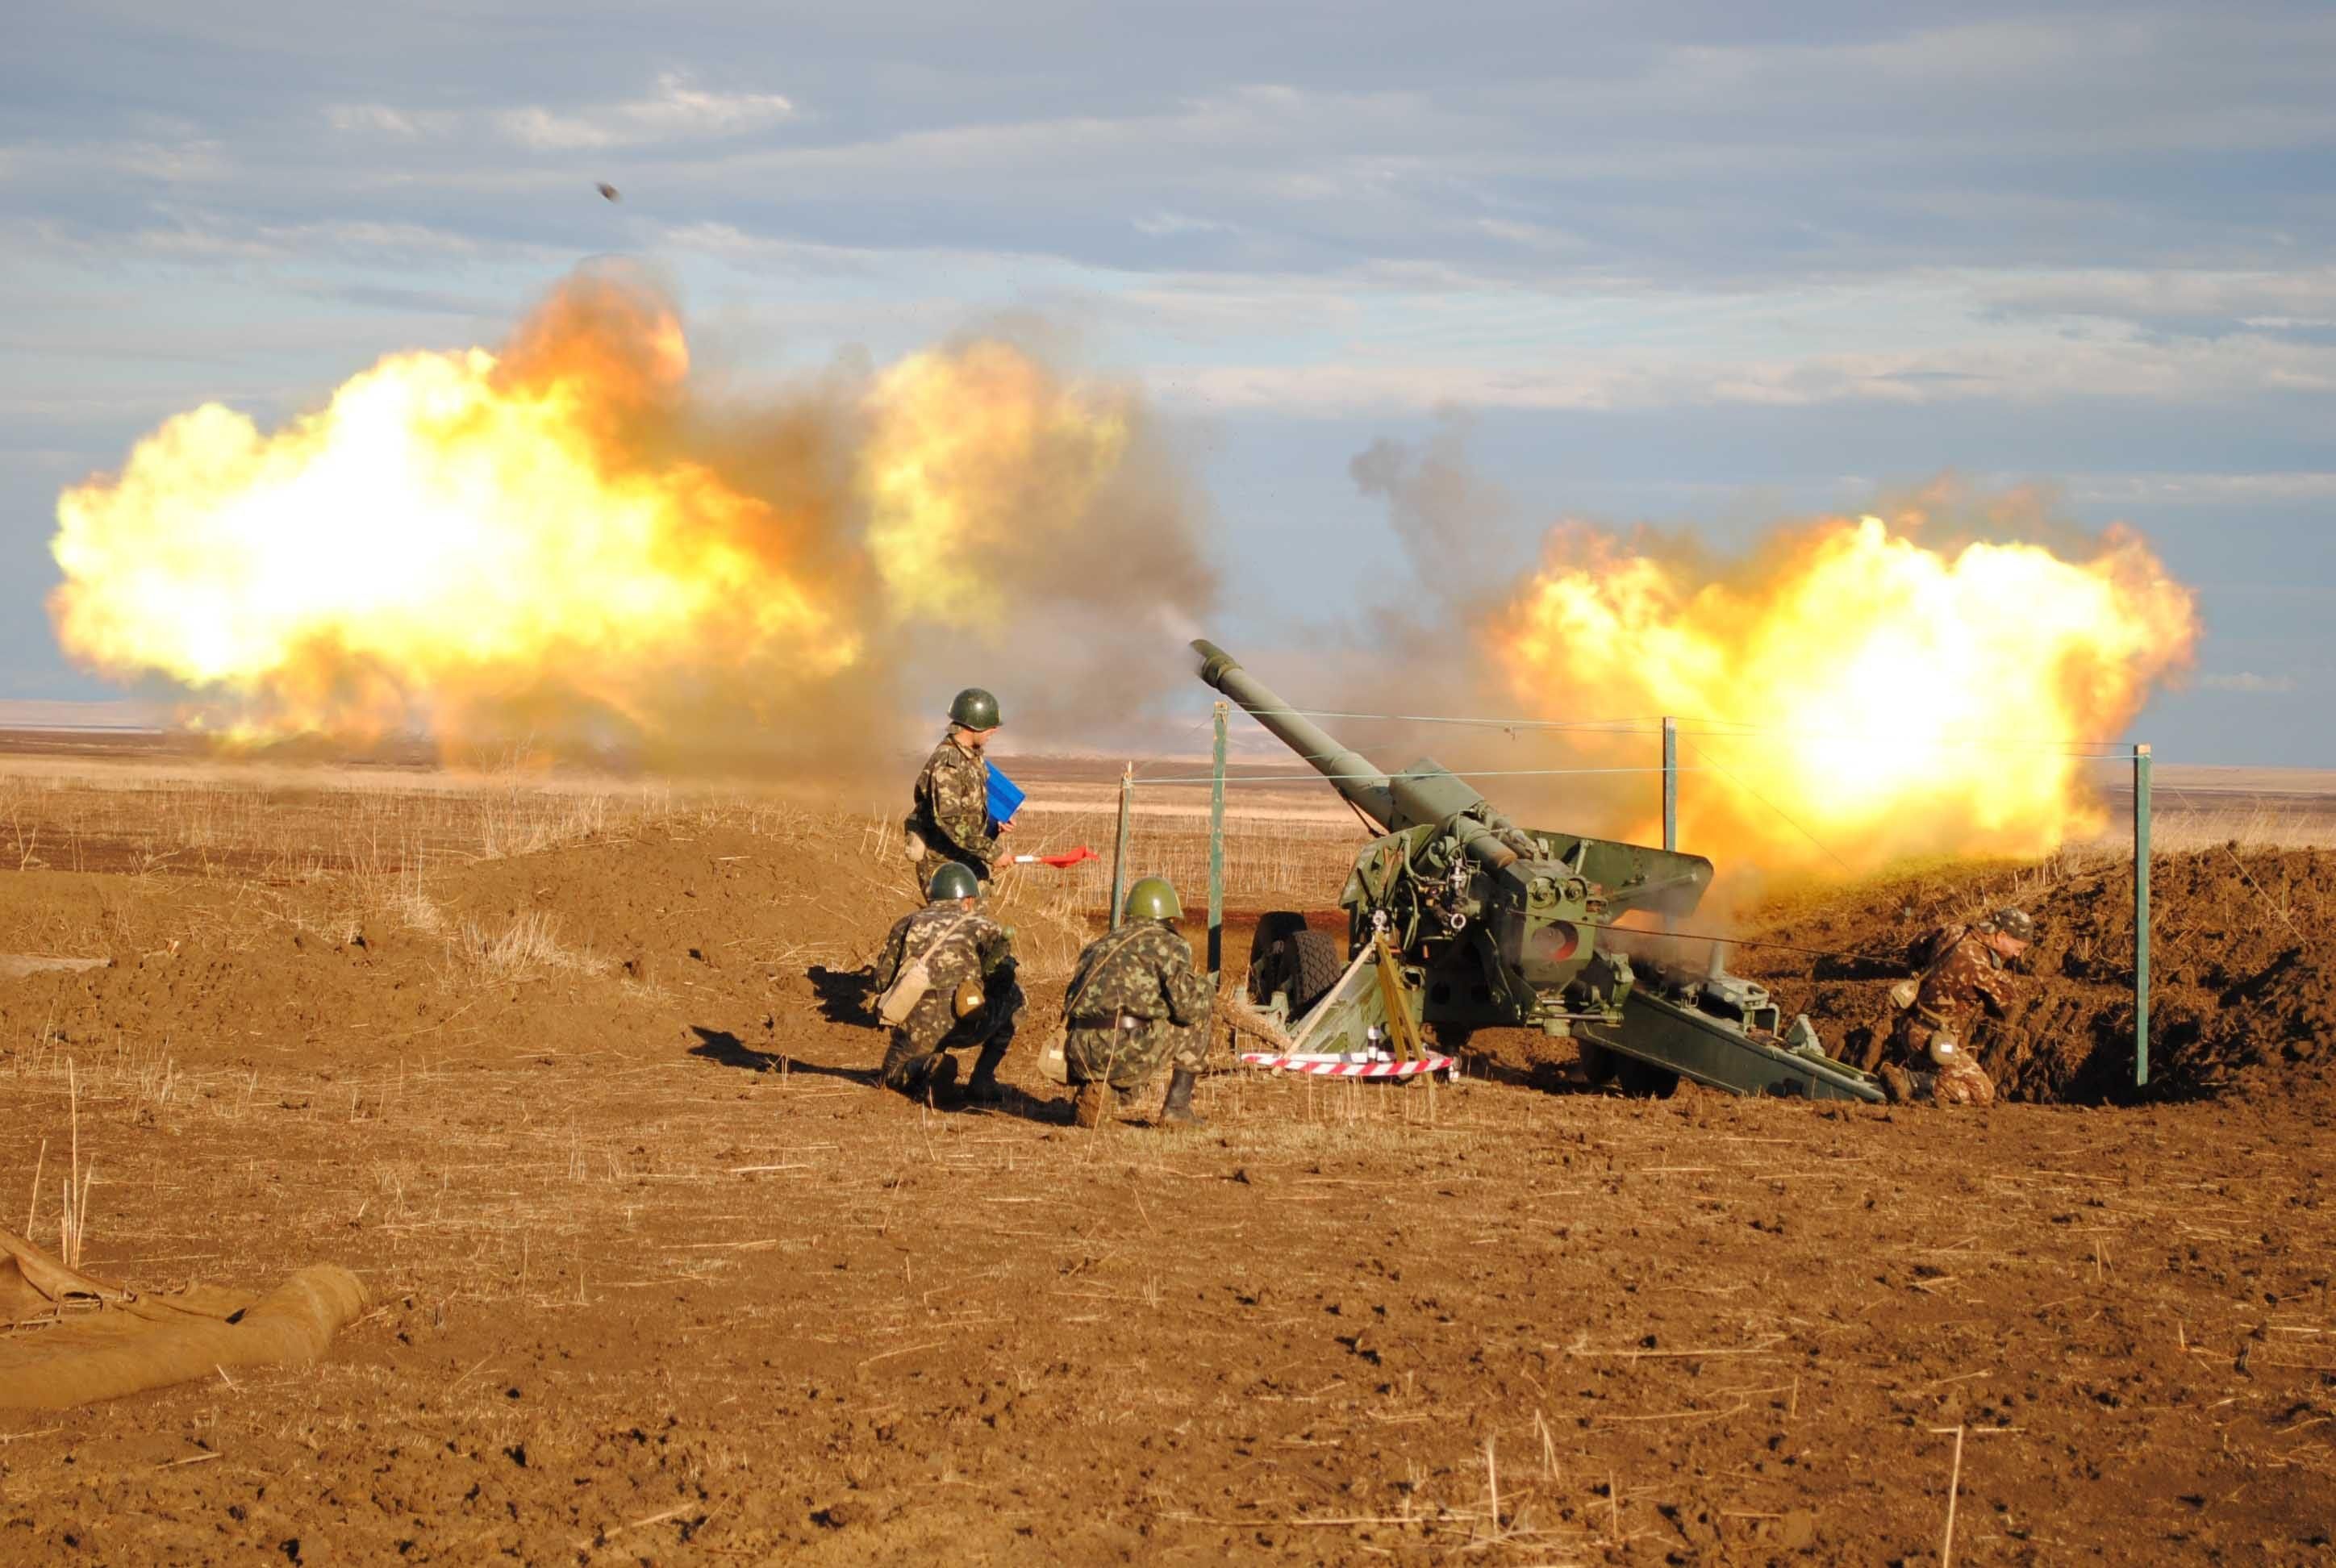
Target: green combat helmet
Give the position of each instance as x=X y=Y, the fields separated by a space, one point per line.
x=1153 y=899
x=975 y=709
x=951 y=882
x=2017 y=924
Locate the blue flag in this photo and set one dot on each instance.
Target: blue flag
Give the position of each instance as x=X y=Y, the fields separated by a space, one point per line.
x=1005 y=796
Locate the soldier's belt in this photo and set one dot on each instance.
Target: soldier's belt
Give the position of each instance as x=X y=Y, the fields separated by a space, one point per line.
x=1109 y=1022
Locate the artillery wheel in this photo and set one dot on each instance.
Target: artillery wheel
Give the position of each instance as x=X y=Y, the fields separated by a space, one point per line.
x=1645 y=1079
x=1272 y=927
x=1290 y=957
x=1266 y=949
x=1599 y=1065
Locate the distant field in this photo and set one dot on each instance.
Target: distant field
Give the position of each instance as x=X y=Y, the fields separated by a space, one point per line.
x=140 y=802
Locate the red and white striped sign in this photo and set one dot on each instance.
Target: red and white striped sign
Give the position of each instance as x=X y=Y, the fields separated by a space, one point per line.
x=1336 y=1066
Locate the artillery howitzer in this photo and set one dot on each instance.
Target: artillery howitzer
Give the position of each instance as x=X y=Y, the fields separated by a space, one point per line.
x=1459 y=919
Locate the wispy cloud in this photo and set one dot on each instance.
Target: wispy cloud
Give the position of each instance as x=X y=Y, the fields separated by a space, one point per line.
x=181 y=233
x=405 y=124
x=2271 y=298
x=1161 y=225
x=676 y=110
x=2201 y=489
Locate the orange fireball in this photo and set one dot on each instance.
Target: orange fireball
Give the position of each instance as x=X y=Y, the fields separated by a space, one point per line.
x=1854 y=694
x=562 y=527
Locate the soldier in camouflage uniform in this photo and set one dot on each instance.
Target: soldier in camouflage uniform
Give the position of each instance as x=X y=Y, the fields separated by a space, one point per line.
x=1964 y=969
x=1135 y=1004
x=949 y=820
x=959 y=946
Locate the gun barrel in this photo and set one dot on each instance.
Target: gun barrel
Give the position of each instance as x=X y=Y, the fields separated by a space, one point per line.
x=1348 y=772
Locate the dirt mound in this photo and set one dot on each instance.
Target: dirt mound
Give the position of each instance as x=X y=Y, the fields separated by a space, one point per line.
x=2241 y=942
x=586 y=947
x=719 y=930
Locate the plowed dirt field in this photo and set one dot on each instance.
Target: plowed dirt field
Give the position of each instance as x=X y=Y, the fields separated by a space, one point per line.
x=660 y=1278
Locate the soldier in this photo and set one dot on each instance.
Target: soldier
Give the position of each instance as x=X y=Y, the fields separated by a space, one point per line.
x=973 y=998
x=1133 y=1003
x=950 y=819
x=1964 y=969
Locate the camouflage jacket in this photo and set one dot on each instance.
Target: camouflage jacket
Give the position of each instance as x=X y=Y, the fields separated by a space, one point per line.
x=977 y=947
x=952 y=804
x=1145 y=972
x=1960 y=973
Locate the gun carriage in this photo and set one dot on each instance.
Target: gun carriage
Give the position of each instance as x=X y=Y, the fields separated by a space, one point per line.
x=1458 y=919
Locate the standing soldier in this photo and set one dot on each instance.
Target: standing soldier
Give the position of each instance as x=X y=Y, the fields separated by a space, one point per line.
x=971 y=997
x=1133 y=1004
x=950 y=819
x=1964 y=969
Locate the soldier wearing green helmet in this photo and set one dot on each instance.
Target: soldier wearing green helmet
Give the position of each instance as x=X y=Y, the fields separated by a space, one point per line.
x=1962 y=972
x=949 y=820
x=970 y=996
x=1134 y=1005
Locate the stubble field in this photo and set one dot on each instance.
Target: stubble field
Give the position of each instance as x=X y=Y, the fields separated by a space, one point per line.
x=573 y=1074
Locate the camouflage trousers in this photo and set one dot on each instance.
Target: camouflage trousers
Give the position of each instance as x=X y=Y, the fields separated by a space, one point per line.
x=933 y=1029
x=939 y=852
x=1127 y=1058
x=1963 y=1081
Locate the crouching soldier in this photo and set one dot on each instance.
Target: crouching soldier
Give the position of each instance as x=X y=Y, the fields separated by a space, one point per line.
x=1135 y=1005
x=1963 y=970
x=945 y=981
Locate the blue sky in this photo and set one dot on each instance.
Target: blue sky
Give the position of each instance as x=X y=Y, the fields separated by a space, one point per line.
x=1684 y=263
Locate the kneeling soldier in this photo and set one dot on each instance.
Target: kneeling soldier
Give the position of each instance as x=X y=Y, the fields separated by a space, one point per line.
x=972 y=999
x=1965 y=970
x=1135 y=1004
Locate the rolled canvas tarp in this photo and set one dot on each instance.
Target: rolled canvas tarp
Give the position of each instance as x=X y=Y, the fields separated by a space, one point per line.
x=75 y=1339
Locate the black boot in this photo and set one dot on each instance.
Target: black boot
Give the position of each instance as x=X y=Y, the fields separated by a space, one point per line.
x=904 y=1066
x=940 y=1082
x=1905 y=1086
x=982 y=1088
x=1179 y=1110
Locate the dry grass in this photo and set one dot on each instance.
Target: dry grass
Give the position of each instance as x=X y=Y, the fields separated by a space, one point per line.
x=530 y=943
x=279 y=824
x=1281 y=853
x=2205 y=822
x=337 y=850
x=379 y=830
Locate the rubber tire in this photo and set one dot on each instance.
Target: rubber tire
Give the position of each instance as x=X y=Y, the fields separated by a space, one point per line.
x=1644 y=1080
x=1274 y=925
x=1315 y=964
x=1599 y=1065
x=1274 y=929
x=1274 y=964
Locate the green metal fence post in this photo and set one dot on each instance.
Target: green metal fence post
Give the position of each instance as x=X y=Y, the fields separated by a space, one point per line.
x=1670 y=783
x=1217 y=853
x=1119 y=851
x=2140 y=916
x=1670 y=799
